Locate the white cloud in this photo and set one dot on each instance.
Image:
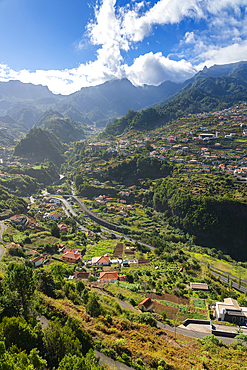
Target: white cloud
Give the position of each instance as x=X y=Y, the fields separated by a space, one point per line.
x=152 y=68
x=116 y=29
x=217 y=55
x=189 y=38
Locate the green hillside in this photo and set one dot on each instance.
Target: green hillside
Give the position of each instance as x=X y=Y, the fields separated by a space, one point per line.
x=203 y=95
x=10 y=203
x=40 y=145
x=208 y=208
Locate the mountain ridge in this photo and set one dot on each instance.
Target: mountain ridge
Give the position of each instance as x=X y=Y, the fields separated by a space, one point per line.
x=101 y=104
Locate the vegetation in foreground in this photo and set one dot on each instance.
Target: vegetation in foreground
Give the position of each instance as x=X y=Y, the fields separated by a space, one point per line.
x=81 y=320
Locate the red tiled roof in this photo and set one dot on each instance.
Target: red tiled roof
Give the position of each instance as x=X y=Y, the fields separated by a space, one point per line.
x=36 y=259
x=103 y=259
x=146 y=302
x=108 y=275
x=75 y=256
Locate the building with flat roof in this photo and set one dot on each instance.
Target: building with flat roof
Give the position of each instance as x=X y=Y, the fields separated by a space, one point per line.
x=199 y=286
x=230 y=311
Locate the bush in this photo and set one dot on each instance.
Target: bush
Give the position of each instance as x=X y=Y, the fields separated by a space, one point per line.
x=132 y=302
x=147 y=318
x=163 y=314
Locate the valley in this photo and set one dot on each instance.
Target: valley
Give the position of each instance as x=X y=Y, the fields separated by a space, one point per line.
x=135 y=233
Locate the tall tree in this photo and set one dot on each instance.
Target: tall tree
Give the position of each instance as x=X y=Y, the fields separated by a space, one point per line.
x=19 y=278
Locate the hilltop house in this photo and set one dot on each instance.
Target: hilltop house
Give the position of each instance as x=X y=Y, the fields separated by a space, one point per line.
x=19 y=220
x=52 y=216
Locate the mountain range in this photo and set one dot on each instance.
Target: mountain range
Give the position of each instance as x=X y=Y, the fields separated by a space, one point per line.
x=23 y=106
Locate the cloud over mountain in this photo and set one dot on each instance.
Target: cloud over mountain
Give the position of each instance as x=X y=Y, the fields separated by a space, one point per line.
x=210 y=31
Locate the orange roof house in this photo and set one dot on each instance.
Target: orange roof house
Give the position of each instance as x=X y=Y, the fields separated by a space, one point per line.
x=19 y=219
x=63 y=227
x=146 y=305
x=101 y=261
x=109 y=277
x=71 y=257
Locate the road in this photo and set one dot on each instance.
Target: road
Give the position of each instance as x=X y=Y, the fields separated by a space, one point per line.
x=217 y=273
x=125 y=305
x=174 y=330
x=103 y=359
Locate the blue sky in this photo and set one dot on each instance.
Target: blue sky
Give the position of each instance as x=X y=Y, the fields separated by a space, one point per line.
x=67 y=45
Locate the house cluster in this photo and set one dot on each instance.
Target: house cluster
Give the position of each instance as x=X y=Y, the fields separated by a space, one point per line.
x=233 y=120
x=47 y=207
x=103 y=199
x=105 y=260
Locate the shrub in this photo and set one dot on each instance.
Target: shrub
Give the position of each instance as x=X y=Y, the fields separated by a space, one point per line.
x=163 y=315
x=132 y=302
x=108 y=319
x=147 y=318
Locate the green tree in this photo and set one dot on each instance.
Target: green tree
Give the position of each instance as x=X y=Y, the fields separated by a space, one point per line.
x=129 y=278
x=20 y=360
x=83 y=336
x=19 y=278
x=72 y=362
x=45 y=282
x=93 y=306
x=80 y=286
x=8 y=303
x=55 y=231
x=163 y=314
x=16 y=331
x=58 y=342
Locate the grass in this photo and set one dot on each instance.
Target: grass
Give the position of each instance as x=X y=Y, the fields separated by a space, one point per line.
x=36 y=167
x=119 y=288
x=199 y=303
x=147 y=343
x=100 y=248
x=12 y=234
x=221 y=265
